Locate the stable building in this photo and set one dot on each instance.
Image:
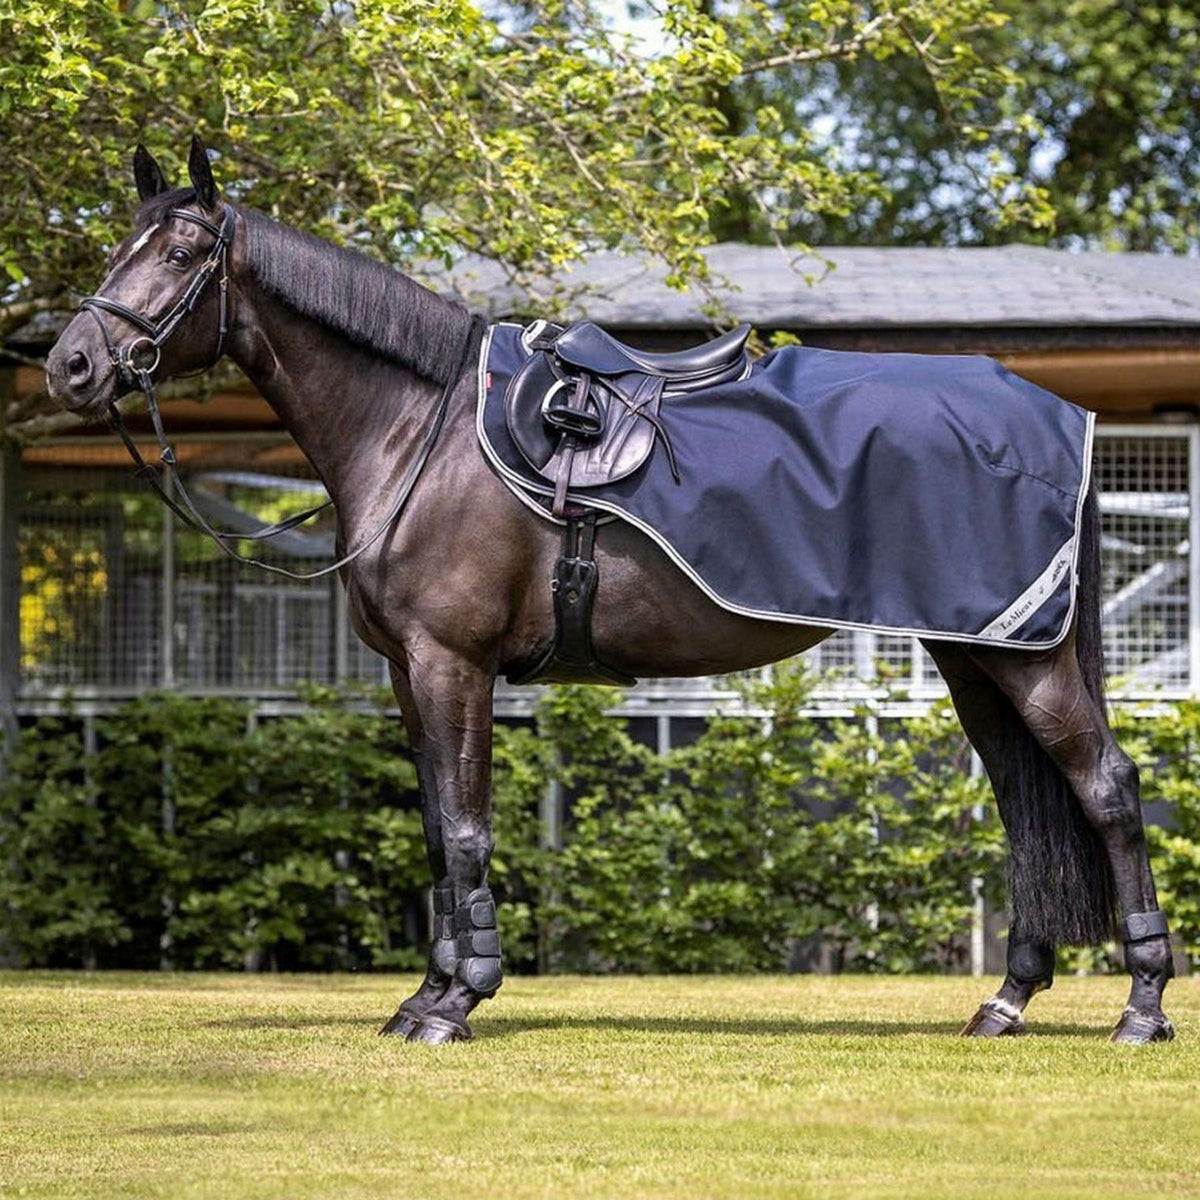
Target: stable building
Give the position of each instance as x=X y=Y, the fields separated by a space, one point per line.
x=105 y=597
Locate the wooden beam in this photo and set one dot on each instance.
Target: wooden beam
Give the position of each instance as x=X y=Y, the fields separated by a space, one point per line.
x=1115 y=382
x=193 y=455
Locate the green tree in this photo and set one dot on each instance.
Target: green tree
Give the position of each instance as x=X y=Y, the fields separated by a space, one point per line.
x=422 y=129
x=767 y=831
x=1099 y=109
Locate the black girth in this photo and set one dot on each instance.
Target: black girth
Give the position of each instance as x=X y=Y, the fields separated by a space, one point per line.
x=571 y=657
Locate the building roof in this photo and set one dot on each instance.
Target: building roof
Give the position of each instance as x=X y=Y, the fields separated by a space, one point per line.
x=863 y=286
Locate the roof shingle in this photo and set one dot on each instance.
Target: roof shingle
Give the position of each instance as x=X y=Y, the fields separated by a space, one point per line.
x=1014 y=285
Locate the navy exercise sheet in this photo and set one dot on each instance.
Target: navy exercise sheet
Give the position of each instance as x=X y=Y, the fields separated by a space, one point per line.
x=908 y=493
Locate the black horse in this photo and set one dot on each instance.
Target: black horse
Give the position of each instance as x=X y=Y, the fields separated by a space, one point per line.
x=357 y=359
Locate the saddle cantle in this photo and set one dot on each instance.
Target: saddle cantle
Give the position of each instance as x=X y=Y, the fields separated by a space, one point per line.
x=585 y=410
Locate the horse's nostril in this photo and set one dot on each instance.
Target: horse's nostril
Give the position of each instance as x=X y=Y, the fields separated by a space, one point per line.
x=78 y=365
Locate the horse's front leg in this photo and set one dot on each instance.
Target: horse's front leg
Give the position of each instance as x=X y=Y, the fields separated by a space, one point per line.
x=440 y=970
x=452 y=698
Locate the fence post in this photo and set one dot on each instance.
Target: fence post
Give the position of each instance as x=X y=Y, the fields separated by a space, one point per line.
x=10 y=586
x=1193 y=684
x=550 y=811
x=871 y=726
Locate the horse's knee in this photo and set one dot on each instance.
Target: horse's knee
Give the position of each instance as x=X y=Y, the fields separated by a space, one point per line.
x=468 y=846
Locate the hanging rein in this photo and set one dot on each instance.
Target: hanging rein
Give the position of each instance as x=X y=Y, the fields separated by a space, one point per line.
x=135 y=367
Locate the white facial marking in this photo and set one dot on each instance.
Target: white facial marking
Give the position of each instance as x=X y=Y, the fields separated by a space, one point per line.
x=142 y=239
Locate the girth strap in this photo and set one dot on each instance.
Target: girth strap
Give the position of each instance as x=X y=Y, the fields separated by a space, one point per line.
x=571 y=656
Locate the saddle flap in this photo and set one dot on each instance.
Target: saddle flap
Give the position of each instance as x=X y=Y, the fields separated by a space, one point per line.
x=624 y=409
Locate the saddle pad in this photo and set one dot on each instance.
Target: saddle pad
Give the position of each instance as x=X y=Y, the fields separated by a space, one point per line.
x=907 y=493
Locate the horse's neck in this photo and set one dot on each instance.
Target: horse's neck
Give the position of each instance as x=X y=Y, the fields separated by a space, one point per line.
x=356 y=416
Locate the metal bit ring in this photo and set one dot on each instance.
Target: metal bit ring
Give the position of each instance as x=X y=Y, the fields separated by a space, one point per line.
x=131 y=350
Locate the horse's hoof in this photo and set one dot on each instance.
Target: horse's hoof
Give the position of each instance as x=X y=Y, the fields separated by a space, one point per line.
x=994 y=1018
x=401 y=1023
x=1140 y=1029
x=439 y=1031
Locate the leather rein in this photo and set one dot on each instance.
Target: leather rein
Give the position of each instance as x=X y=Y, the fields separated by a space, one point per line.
x=134 y=369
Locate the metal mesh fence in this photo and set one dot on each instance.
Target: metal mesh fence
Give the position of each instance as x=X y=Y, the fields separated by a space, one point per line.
x=116 y=599
x=1145 y=500
x=1145 y=494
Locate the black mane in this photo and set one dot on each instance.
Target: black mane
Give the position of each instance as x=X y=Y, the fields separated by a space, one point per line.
x=373 y=305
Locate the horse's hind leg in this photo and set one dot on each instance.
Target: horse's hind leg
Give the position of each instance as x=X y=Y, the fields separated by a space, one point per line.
x=1051 y=696
x=995 y=730
x=440 y=970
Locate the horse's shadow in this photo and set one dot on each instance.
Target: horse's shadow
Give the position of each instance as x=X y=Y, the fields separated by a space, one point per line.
x=749 y=1027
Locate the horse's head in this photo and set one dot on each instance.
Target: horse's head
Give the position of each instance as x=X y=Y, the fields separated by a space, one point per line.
x=162 y=309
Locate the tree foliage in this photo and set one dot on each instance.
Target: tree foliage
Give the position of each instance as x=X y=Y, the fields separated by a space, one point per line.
x=1100 y=110
x=194 y=836
x=418 y=128
x=768 y=836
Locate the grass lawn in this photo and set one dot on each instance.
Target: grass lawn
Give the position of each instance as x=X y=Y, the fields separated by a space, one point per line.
x=247 y=1087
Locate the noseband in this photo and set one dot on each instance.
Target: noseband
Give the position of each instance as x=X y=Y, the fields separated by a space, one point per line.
x=134 y=374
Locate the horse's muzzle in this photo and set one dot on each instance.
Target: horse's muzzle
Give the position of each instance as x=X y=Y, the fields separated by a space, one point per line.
x=79 y=376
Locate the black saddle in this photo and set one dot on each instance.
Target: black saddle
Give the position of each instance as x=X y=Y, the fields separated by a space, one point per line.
x=588 y=347
x=585 y=409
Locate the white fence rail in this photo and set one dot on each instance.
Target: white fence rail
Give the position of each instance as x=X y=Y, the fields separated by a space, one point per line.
x=116 y=600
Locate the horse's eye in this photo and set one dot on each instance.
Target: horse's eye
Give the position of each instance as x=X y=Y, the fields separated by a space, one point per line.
x=177 y=256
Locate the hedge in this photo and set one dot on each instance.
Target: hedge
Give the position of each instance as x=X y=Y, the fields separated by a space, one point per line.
x=193 y=836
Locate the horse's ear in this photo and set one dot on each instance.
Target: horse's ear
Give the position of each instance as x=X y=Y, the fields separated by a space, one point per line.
x=147 y=174
x=201 y=174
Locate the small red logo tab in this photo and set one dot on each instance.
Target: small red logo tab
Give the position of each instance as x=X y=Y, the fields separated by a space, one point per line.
x=489 y=381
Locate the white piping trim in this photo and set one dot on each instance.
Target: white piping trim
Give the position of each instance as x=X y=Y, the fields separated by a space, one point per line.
x=519 y=486
x=1032 y=599
x=1013 y=617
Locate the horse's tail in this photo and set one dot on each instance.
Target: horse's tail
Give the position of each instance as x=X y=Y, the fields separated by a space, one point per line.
x=1060 y=881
